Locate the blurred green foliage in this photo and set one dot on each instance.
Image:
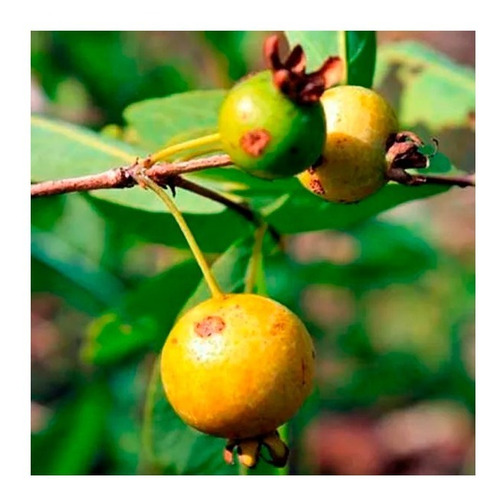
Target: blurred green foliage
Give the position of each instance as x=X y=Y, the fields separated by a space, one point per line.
x=392 y=315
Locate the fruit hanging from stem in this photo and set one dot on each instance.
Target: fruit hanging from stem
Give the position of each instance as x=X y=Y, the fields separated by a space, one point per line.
x=363 y=148
x=271 y=123
x=238 y=367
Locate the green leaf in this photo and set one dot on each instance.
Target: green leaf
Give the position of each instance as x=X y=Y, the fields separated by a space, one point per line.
x=124 y=419
x=303 y=211
x=213 y=232
x=229 y=271
x=71 y=247
x=384 y=254
x=396 y=375
x=360 y=52
x=230 y=45
x=174 y=447
x=144 y=317
x=71 y=442
x=61 y=150
x=140 y=69
x=358 y=48
x=156 y=121
x=317 y=45
x=74 y=265
x=435 y=91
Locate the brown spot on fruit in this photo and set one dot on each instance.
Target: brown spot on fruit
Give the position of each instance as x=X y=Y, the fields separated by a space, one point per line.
x=254 y=141
x=278 y=327
x=209 y=326
x=303 y=368
x=316 y=186
x=174 y=341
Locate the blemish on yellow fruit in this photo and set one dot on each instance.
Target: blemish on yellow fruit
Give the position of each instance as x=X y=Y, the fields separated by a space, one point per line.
x=248 y=372
x=210 y=325
x=358 y=124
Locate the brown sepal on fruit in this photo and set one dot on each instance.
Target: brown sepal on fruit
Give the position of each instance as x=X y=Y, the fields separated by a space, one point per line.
x=249 y=450
x=290 y=75
x=402 y=152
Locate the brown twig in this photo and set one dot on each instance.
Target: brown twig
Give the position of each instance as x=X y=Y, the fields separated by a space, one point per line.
x=167 y=174
x=240 y=207
x=122 y=177
x=403 y=177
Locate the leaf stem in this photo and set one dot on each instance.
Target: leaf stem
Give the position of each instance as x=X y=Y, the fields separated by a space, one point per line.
x=166 y=153
x=242 y=470
x=215 y=290
x=255 y=259
x=283 y=432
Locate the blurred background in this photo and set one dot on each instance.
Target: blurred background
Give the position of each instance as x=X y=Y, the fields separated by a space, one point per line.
x=390 y=303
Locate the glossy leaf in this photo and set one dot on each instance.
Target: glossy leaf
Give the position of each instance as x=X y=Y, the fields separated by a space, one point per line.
x=435 y=91
x=360 y=52
x=156 y=121
x=229 y=270
x=358 y=48
x=70 y=254
x=142 y=321
x=317 y=45
x=303 y=211
x=174 y=447
x=61 y=150
x=162 y=228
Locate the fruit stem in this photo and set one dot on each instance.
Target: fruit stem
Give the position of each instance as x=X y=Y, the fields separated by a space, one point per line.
x=255 y=259
x=195 y=154
x=166 y=153
x=195 y=249
x=242 y=469
x=283 y=433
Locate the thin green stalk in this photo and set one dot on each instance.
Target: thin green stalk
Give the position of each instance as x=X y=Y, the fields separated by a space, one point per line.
x=283 y=432
x=255 y=259
x=166 y=153
x=193 y=245
x=242 y=470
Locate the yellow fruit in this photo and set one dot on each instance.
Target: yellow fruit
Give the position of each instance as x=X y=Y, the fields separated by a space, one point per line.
x=359 y=122
x=237 y=366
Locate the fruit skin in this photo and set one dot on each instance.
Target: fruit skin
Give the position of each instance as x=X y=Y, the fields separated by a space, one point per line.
x=237 y=366
x=267 y=134
x=359 y=122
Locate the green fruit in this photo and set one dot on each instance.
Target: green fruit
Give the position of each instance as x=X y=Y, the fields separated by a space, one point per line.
x=353 y=165
x=266 y=133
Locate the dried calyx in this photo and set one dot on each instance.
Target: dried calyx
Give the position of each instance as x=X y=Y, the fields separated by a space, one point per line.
x=402 y=153
x=290 y=75
x=249 y=451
